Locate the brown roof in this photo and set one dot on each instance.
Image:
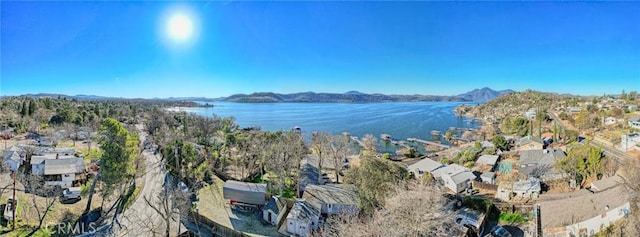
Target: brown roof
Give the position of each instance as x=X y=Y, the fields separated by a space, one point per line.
x=579 y=206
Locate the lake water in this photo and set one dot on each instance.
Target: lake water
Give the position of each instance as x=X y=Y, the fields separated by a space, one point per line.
x=399 y=119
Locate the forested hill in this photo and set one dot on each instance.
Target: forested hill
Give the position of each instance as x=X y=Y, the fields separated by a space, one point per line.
x=349 y=97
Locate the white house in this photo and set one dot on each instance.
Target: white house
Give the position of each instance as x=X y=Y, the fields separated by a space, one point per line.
x=488 y=177
x=303 y=218
x=634 y=123
x=531 y=114
x=424 y=166
x=583 y=213
x=455 y=177
x=332 y=198
x=12 y=158
x=63 y=172
x=274 y=210
x=629 y=142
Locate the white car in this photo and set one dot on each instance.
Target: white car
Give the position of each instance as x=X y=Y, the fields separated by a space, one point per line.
x=10 y=208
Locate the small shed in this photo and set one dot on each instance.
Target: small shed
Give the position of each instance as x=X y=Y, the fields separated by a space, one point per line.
x=488 y=177
x=274 y=210
x=246 y=193
x=487 y=162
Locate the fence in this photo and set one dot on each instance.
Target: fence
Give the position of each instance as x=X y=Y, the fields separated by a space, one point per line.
x=511 y=208
x=484 y=186
x=216 y=229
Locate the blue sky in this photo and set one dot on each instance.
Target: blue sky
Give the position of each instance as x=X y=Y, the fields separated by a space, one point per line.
x=439 y=48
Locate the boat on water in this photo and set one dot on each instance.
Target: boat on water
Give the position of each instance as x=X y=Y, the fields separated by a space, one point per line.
x=435 y=132
x=385 y=137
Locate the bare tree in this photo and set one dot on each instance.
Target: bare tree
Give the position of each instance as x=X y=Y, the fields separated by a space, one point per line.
x=370 y=142
x=339 y=147
x=414 y=210
x=169 y=205
x=43 y=197
x=631 y=178
x=319 y=147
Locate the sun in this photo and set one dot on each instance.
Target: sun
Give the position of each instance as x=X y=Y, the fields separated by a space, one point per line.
x=180 y=27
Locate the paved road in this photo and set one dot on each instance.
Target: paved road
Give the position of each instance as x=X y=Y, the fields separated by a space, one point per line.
x=140 y=219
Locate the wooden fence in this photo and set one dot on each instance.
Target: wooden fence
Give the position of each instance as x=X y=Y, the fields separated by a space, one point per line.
x=484 y=186
x=216 y=229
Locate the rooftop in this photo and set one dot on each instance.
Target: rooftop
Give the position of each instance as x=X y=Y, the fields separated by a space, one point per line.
x=63 y=166
x=606 y=183
x=530 y=139
x=330 y=194
x=275 y=204
x=487 y=160
x=426 y=165
x=538 y=162
x=579 y=206
x=251 y=187
x=303 y=210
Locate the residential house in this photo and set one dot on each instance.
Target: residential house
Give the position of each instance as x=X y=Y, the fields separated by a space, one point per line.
x=64 y=173
x=531 y=114
x=540 y=163
x=455 y=177
x=634 y=123
x=486 y=162
x=629 y=142
x=275 y=210
x=13 y=158
x=488 y=177
x=424 y=166
x=529 y=188
x=575 y=109
x=530 y=143
x=332 y=198
x=606 y=183
x=37 y=162
x=632 y=108
x=303 y=218
x=583 y=213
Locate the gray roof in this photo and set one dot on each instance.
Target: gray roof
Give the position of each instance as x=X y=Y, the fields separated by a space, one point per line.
x=63 y=166
x=580 y=206
x=606 y=183
x=487 y=160
x=530 y=139
x=426 y=165
x=39 y=159
x=302 y=210
x=249 y=187
x=539 y=162
x=275 y=204
x=463 y=177
x=489 y=175
x=330 y=194
x=12 y=155
x=527 y=186
x=449 y=170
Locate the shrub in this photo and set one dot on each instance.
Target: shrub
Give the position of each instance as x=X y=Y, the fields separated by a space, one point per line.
x=512 y=218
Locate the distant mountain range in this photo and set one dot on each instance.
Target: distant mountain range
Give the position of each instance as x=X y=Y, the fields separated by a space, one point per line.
x=478 y=95
x=484 y=94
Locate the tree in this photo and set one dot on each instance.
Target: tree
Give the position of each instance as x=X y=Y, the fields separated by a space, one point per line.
x=339 y=148
x=184 y=162
x=370 y=143
x=584 y=162
x=120 y=153
x=374 y=180
x=413 y=209
x=501 y=143
x=40 y=191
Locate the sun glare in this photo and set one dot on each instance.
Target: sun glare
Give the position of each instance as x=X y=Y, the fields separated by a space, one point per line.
x=180 y=27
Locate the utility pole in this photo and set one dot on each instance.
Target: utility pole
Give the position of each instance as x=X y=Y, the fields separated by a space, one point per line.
x=13 y=201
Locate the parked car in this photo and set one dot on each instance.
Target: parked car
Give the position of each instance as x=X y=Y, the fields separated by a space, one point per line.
x=498 y=231
x=72 y=193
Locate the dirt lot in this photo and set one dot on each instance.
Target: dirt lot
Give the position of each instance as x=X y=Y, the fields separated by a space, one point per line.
x=212 y=205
